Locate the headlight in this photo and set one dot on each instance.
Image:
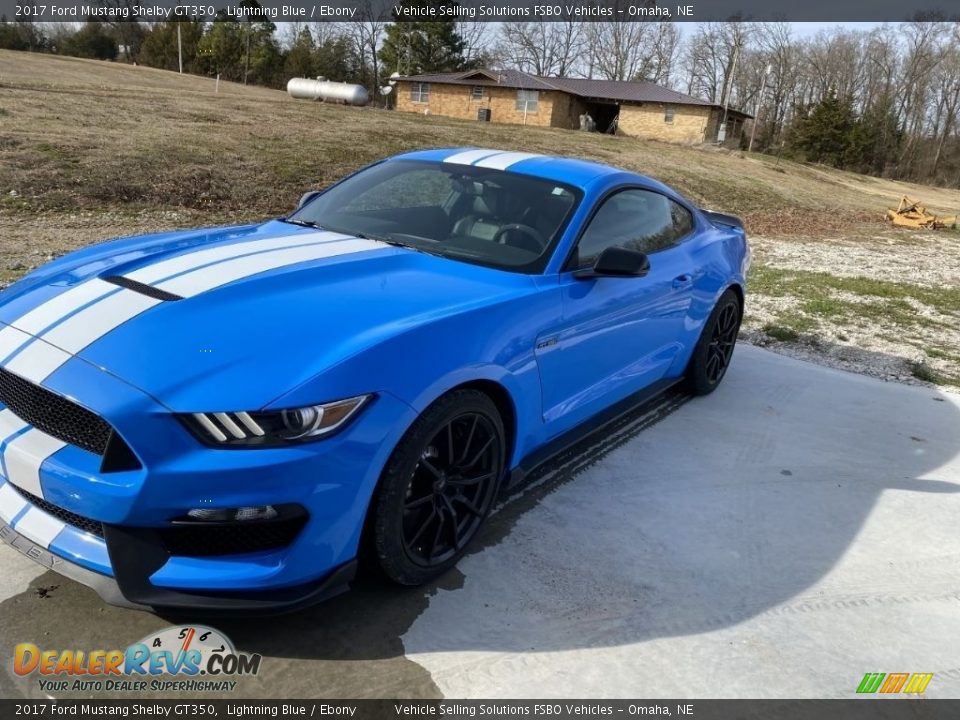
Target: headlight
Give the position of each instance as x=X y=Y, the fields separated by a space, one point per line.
x=276 y=427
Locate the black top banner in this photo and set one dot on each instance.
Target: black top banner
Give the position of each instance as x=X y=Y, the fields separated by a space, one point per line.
x=484 y=10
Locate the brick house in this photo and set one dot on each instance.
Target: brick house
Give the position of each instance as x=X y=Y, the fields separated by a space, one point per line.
x=639 y=109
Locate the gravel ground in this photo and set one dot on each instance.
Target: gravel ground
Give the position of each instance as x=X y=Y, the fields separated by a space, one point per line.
x=880 y=348
x=927 y=258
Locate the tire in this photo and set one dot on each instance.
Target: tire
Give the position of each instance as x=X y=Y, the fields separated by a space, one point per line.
x=715 y=346
x=438 y=487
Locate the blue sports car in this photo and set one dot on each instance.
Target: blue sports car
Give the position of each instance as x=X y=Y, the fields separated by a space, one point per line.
x=223 y=418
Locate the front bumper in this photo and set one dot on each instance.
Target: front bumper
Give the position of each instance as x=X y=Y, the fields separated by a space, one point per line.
x=139 y=594
x=106 y=530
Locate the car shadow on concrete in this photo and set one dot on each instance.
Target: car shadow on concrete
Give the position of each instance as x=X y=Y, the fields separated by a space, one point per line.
x=686 y=516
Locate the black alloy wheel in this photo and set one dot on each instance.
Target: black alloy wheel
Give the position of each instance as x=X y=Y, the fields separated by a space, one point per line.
x=439 y=486
x=722 y=339
x=714 y=350
x=450 y=490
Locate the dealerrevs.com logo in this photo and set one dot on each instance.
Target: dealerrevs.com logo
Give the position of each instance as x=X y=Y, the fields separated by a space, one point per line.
x=180 y=654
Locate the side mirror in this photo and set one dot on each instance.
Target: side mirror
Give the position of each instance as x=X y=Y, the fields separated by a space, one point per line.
x=616 y=262
x=307 y=197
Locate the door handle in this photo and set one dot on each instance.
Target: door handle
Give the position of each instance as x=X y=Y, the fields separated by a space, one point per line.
x=683 y=281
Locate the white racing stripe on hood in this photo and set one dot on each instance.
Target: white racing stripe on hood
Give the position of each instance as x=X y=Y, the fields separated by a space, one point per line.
x=182 y=263
x=198 y=281
x=24 y=455
x=501 y=161
x=39 y=359
x=41 y=317
x=468 y=157
x=11 y=340
x=105 y=306
x=49 y=312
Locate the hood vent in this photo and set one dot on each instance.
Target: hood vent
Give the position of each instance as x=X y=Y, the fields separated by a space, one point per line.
x=141 y=288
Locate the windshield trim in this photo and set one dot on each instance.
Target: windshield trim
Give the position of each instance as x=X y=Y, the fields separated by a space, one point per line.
x=535 y=267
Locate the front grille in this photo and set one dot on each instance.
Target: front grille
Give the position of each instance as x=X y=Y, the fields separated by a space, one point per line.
x=80 y=522
x=204 y=539
x=54 y=414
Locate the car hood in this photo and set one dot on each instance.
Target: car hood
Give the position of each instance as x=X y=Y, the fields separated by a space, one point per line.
x=233 y=318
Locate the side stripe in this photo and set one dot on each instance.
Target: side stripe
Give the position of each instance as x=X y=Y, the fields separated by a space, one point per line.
x=25 y=454
x=467 y=157
x=39 y=527
x=12 y=503
x=199 y=281
x=502 y=161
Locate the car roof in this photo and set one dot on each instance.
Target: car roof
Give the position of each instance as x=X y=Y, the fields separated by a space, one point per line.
x=578 y=173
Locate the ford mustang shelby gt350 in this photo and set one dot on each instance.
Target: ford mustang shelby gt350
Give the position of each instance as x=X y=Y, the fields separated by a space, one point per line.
x=223 y=418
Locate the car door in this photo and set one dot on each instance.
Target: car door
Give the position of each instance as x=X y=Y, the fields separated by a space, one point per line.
x=618 y=335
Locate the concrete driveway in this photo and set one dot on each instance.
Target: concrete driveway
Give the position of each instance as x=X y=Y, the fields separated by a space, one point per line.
x=780 y=538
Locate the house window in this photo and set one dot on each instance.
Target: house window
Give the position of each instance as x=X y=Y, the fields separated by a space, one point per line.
x=420 y=92
x=477 y=92
x=527 y=100
x=668 y=113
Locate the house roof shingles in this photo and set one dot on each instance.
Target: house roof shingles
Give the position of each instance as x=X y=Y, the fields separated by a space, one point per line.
x=620 y=90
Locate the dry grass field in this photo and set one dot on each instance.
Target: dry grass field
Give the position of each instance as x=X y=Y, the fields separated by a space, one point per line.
x=92 y=150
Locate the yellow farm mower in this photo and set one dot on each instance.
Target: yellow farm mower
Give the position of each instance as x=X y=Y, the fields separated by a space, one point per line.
x=910 y=213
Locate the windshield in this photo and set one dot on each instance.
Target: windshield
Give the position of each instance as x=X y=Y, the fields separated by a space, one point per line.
x=490 y=217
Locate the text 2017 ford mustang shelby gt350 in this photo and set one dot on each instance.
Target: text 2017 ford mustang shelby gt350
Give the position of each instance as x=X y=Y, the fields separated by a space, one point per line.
x=219 y=418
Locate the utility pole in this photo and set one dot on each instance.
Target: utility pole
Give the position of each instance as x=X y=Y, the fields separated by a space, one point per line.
x=246 y=63
x=756 y=113
x=727 y=87
x=179 y=48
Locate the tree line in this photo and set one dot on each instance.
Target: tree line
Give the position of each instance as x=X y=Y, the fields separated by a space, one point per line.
x=884 y=101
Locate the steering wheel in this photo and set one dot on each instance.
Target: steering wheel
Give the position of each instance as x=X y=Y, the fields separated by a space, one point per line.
x=525 y=231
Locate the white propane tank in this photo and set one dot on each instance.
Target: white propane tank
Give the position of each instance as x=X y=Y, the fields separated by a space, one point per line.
x=307 y=89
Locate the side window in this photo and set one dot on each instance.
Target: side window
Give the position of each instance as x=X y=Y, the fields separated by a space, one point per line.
x=635 y=219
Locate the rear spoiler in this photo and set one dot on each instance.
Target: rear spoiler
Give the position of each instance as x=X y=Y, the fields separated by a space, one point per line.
x=722 y=219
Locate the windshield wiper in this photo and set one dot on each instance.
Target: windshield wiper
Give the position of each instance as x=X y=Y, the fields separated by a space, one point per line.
x=386 y=240
x=302 y=223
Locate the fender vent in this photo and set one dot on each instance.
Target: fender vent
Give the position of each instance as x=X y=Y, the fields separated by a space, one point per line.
x=141 y=288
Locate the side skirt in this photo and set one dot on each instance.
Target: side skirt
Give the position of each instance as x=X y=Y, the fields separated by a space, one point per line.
x=588 y=427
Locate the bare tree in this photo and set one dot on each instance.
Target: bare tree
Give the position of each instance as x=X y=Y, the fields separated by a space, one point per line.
x=621 y=50
x=476 y=39
x=542 y=48
x=365 y=34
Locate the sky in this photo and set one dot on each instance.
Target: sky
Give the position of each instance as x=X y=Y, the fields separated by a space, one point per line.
x=802 y=29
